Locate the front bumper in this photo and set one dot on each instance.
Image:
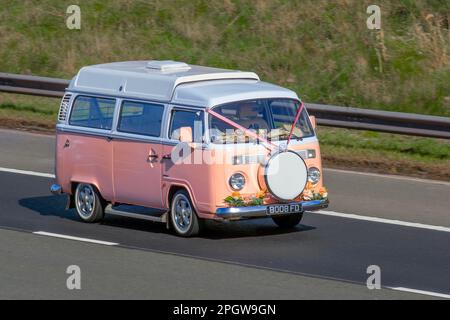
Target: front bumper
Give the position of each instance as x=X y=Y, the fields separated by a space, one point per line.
x=261 y=211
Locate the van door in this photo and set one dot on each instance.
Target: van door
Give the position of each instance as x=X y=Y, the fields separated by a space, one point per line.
x=193 y=173
x=85 y=144
x=137 y=153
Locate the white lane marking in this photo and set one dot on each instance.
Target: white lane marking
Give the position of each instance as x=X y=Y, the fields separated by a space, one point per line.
x=382 y=220
x=329 y=213
x=49 y=175
x=427 y=293
x=29 y=173
x=388 y=176
x=62 y=236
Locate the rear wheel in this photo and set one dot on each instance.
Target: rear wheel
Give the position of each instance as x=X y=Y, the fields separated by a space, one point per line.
x=287 y=222
x=88 y=203
x=183 y=217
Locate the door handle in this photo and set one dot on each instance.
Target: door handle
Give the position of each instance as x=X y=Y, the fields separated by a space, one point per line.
x=152 y=157
x=109 y=139
x=167 y=157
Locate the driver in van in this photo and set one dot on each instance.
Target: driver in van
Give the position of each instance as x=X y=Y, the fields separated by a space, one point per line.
x=248 y=116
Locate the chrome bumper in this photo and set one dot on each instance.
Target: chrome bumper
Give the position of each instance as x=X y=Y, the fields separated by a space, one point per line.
x=56 y=189
x=261 y=211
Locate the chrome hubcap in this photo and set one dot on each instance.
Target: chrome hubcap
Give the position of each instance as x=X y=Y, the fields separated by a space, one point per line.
x=85 y=200
x=182 y=213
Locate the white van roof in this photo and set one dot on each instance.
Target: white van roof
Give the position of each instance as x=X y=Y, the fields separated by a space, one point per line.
x=171 y=81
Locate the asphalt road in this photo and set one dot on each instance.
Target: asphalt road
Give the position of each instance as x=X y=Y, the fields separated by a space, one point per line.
x=326 y=257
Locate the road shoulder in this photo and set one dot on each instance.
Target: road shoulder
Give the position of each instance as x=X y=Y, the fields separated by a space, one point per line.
x=36 y=269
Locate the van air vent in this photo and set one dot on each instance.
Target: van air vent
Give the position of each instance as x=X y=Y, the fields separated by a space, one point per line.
x=64 y=108
x=167 y=65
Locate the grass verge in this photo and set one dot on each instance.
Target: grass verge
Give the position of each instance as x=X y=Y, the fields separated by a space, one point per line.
x=385 y=153
x=321 y=49
x=341 y=148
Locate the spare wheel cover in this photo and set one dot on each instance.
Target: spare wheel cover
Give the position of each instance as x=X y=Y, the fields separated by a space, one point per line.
x=286 y=175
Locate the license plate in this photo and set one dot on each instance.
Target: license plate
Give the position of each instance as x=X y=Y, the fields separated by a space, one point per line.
x=278 y=209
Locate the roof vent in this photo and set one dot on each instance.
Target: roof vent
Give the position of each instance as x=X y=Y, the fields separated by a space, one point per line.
x=167 y=65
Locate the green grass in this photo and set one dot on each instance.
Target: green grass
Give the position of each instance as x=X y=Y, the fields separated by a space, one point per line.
x=385 y=153
x=321 y=49
x=28 y=108
x=398 y=147
x=17 y=109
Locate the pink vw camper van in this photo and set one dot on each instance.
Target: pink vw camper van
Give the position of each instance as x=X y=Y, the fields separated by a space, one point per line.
x=176 y=143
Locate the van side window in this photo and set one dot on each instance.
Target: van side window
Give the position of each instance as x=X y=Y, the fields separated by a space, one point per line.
x=182 y=118
x=141 y=118
x=92 y=112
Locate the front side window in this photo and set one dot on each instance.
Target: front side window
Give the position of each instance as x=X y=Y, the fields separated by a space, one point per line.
x=92 y=112
x=141 y=118
x=269 y=118
x=183 y=118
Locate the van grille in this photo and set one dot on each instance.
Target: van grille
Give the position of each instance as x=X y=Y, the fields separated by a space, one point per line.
x=64 y=108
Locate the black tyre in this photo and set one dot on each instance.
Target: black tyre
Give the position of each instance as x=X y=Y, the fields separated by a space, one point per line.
x=287 y=222
x=183 y=216
x=88 y=203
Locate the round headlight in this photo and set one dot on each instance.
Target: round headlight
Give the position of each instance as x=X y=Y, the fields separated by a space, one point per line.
x=313 y=175
x=237 y=181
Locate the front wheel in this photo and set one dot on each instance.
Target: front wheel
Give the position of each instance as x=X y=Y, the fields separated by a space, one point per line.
x=183 y=217
x=88 y=203
x=287 y=222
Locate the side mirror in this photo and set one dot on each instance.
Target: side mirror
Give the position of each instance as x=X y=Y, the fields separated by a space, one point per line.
x=186 y=134
x=313 y=122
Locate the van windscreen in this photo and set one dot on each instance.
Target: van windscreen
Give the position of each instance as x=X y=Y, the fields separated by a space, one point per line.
x=269 y=118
